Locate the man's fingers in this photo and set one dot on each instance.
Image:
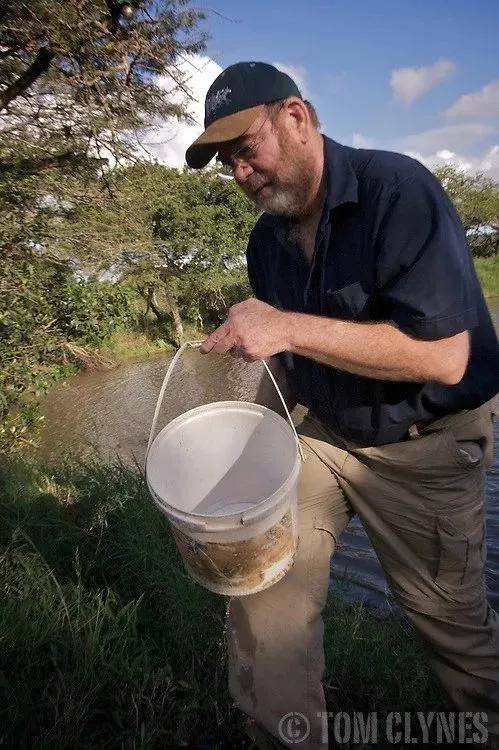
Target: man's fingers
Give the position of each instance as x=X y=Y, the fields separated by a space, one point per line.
x=225 y=344
x=207 y=345
x=212 y=340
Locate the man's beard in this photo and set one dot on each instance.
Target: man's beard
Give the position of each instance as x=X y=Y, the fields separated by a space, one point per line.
x=290 y=194
x=283 y=201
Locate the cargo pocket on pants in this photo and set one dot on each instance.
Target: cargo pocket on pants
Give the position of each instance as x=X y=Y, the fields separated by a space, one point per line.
x=453 y=556
x=462 y=556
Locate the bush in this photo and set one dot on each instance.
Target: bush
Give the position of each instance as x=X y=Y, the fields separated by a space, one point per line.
x=90 y=311
x=44 y=310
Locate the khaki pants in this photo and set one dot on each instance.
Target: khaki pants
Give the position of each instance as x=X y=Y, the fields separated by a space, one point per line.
x=421 y=502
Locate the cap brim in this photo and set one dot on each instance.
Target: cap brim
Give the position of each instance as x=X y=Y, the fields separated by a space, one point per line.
x=225 y=129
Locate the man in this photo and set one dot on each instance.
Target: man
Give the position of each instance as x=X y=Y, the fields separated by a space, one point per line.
x=367 y=303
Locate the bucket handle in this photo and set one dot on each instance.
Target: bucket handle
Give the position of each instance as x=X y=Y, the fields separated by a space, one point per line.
x=195 y=345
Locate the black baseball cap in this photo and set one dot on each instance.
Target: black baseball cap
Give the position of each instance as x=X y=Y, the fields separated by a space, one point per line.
x=233 y=102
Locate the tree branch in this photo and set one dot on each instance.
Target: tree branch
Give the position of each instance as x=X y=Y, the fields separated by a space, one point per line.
x=42 y=163
x=39 y=65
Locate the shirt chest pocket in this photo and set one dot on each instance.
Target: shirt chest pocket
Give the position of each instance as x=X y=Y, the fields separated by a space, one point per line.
x=351 y=302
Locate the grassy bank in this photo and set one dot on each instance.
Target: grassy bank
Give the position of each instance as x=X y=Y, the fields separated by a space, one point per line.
x=488 y=273
x=106 y=641
x=124 y=345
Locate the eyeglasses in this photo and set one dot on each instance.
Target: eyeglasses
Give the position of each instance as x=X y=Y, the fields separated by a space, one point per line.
x=244 y=154
x=247 y=152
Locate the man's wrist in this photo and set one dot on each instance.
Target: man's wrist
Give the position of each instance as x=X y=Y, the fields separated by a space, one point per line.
x=292 y=331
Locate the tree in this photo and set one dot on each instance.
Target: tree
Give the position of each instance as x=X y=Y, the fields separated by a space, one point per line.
x=477 y=201
x=80 y=81
x=180 y=236
x=50 y=323
x=82 y=78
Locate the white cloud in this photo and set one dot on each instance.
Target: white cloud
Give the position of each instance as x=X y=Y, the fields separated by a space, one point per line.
x=483 y=104
x=297 y=73
x=490 y=161
x=487 y=163
x=409 y=84
x=445 y=154
x=451 y=137
x=433 y=148
x=170 y=141
x=362 y=141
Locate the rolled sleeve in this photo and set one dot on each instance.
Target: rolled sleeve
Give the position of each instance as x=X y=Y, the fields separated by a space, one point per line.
x=426 y=282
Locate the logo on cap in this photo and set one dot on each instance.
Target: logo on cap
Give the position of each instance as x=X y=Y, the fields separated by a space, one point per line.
x=216 y=100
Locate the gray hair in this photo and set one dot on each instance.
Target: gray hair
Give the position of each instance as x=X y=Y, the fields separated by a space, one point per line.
x=275 y=107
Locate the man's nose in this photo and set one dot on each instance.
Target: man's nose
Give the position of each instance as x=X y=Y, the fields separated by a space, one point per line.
x=241 y=172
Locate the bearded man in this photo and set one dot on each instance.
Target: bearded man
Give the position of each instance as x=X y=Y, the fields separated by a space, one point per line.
x=368 y=307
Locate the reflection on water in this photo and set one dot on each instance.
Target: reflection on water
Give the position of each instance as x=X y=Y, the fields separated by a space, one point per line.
x=108 y=414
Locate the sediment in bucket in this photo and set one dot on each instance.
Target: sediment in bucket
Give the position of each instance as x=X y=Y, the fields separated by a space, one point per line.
x=225 y=475
x=244 y=566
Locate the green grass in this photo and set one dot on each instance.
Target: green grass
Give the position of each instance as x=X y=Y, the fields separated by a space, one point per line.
x=123 y=345
x=130 y=344
x=106 y=642
x=375 y=664
x=488 y=273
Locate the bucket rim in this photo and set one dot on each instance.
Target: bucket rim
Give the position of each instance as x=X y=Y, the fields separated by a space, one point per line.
x=257 y=512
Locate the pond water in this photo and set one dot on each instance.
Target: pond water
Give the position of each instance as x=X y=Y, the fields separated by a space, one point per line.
x=107 y=414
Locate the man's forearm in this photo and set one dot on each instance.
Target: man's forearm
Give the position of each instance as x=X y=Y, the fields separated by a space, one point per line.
x=376 y=350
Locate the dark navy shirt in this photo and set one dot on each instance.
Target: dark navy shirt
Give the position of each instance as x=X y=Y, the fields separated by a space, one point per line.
x=389 y=247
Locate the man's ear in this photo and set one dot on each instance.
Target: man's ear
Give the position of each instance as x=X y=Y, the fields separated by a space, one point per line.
x=298 y=112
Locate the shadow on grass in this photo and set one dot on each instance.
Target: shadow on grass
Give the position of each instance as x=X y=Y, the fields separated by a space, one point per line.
x=107 y=642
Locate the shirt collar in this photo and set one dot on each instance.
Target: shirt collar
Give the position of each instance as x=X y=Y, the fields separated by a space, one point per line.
x=341 y=184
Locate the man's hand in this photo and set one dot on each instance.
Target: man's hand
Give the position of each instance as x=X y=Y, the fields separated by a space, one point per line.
x=253 y=330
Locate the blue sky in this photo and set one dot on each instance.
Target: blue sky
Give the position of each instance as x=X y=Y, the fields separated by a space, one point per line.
x=383 y=74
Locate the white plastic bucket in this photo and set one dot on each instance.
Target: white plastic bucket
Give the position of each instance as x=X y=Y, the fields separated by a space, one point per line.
x=225 y=475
